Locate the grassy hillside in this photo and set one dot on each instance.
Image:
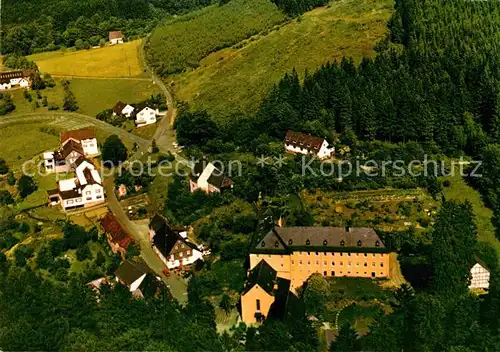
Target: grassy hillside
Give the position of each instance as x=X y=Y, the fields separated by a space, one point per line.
x=182 y=43
x=92 y=95
x=110 y=61
x=236 y=79
x=460 y=191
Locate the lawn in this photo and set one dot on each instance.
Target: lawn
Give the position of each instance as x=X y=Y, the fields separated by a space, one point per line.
x=181 y=43
x=22 y=142
x=111 y=61
x=460 y=191
x=235 y=80
x=92 y=95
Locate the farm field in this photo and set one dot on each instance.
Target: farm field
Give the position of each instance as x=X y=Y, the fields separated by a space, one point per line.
x=235 y=80
x=92 y=95
x=181 y=43
x=111 y=61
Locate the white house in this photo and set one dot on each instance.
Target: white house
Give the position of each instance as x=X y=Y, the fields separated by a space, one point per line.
x=82 y=191
x=115 y=37
x=145 y=115
x=122 y=109
x=172 y=245
x=480 y=276
x=74 y=144
x=301 y=143
x=85 y=137
x=16 y=79
x=208 y=178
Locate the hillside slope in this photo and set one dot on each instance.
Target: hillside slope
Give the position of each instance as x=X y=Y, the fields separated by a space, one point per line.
x=183 y=42
x=235 y=80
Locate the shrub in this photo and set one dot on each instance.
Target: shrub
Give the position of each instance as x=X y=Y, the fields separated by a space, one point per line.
x=6 y=197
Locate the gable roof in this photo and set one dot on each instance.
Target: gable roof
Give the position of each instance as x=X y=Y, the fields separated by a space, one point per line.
x=141 y=106
x=166 y=237
x=68 y=148
x=129 y=272
x=302 y=140
x=118 y=108
x=115 y=35
x=263 y=275
x=215 y=176
x=115 y=230
x=282 y=239
x=78 y=135
x=25 y=73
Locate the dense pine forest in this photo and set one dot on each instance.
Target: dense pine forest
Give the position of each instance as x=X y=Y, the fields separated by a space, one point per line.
x=435 y=81
x=41 y=25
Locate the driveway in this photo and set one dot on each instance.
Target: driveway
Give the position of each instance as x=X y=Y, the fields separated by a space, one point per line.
x=140 y=233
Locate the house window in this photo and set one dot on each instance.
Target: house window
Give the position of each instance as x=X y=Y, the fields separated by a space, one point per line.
x=381 y=265
x=300 y=262
x=97 y=191
x=317 y=262
x=180 y=254
x=366 y=255
x=79 y=200
x=293 y=262
x=317 y=253
x=69 y=202
x=366 y=264
x=99 y=197
x=257 y=303
x=188 y=253
x=325 y=273
x=333 y=263
x=333 y=273
x=88 y=193
x=89 y=198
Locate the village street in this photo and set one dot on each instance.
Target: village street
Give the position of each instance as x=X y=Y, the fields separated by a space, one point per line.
x=141 y=235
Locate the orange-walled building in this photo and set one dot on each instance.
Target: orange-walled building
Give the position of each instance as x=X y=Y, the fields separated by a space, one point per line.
x=295 y=253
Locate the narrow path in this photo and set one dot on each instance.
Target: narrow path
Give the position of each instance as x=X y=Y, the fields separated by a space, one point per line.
x=39 y=116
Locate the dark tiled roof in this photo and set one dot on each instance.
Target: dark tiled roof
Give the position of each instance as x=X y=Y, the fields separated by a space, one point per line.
x=72 y=193
x=141 y=106
x=219 y=180
x=68 y=148
x=129 y=272
x=165 y=237
x=321 y=238
x=115 y=230
x=87 y=173
x=150 y=286
x=115 y=35
x=158 y=224
x=8 y=75
x=302 y=140
x=52 y=192
x=118 y=108
x=263 y=275
x=86 y=133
